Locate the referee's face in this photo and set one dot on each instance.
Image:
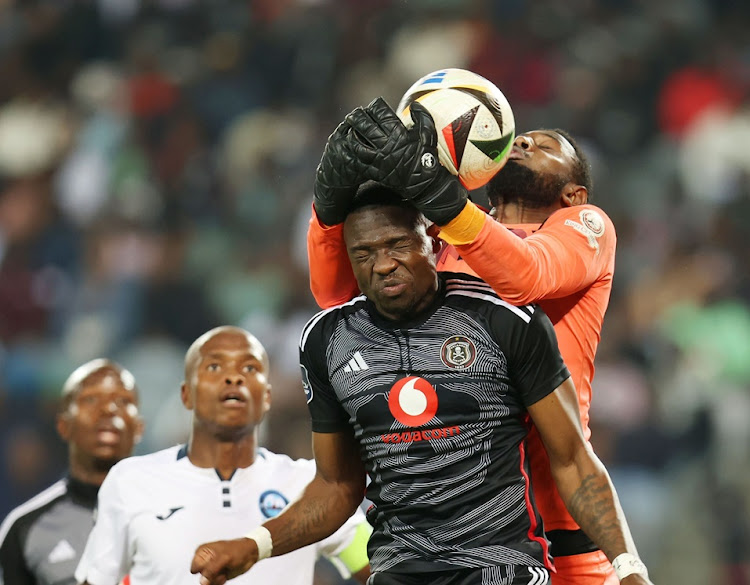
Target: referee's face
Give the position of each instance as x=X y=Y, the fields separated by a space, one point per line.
x=393 y=259
x=228 y=389
x=101 y=422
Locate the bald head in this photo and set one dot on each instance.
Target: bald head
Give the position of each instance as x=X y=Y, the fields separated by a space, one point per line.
x=214 y=337
x=93 y=372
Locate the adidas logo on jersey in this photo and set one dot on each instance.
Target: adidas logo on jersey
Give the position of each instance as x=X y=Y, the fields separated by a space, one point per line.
x=63 y=551
x=356 y=364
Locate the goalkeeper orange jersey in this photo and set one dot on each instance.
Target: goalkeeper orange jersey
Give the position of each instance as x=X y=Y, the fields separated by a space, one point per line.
x=565 y=265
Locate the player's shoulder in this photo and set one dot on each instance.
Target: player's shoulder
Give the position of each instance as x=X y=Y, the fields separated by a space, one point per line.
x=327 y=316
x=280 y=463
x=469 y=291
x=138 y=465
x=591 y=217
x=587 y=223
x=33 y=507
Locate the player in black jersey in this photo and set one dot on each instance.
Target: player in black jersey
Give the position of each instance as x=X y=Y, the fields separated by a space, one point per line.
x=426 y=384
x=41 y=541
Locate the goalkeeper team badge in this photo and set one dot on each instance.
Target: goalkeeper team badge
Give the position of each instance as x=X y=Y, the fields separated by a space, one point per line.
x=272 y=503
x=458 y=352
x=593 y=221
x=591 y=226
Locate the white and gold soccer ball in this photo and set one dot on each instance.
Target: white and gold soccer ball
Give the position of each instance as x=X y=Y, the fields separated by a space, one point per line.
x=474 y=122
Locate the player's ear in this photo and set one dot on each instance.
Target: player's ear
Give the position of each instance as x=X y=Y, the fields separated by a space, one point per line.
x=138 y=434
x=432 y=231
x=574 y=195
x=63 y=426
x=186 y=396
x=267 y=399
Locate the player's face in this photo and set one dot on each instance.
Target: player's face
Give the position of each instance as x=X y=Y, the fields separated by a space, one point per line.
x=101 y=421
x=229 y=388
x=393 y=259
x=539 y=166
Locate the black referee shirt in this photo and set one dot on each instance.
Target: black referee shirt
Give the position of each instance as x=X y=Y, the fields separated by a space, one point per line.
x=41 y=541
x=438 y=406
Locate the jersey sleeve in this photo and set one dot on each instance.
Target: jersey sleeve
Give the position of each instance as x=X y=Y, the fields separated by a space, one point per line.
x=347 y=547
x=535 y=365
x=105 y=558
x=572 y=249
x=332 y=281
x=327 y=414
x=13 y=567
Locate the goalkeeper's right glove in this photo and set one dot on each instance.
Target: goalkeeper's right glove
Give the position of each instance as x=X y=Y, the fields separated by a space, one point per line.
x=337 y=177
x=406 y=159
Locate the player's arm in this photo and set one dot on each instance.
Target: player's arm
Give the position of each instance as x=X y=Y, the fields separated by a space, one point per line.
x=573 y=249
x=331 y=278
x=13 y=567
x=582 y=480
x=326 y=503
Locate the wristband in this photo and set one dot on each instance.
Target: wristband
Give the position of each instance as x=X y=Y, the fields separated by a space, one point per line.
x=262 y=538
x=465 y=227
x=627 y=564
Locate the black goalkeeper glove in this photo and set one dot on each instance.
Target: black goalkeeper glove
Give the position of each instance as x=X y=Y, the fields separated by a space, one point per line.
x=338 y=177
x=406 y=159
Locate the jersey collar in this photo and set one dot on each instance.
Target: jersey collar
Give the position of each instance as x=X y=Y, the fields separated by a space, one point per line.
x=417 y=321
x=82 y=492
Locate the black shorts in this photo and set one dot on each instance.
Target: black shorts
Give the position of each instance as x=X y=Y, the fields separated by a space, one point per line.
x=502 y=575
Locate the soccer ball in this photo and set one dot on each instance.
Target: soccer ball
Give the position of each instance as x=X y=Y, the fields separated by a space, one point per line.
x=473 y=119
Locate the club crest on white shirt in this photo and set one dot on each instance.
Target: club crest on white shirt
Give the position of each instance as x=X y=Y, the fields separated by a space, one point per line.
x=272 y=503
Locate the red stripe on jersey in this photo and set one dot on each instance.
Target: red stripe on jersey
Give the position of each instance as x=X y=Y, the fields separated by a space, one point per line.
x=532 y=516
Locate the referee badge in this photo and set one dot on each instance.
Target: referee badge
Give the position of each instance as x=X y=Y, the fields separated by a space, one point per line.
x=458 y=352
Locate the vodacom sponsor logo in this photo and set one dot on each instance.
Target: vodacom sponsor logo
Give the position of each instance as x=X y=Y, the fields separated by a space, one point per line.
x=413 y=402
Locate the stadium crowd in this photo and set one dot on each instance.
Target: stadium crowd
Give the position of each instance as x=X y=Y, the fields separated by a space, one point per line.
x=156 y=165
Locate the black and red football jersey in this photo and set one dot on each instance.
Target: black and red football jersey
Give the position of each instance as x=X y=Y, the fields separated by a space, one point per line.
x=439 y=408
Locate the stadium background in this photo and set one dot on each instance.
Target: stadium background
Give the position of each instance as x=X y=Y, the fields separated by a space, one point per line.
x=156 y=160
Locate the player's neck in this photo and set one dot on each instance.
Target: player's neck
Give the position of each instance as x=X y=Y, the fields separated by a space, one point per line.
x=517 y=213
x=225 y=456
x=86 y=468
x=85 y=474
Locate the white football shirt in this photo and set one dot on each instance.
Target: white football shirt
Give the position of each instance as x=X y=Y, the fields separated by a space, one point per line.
x=155 y=510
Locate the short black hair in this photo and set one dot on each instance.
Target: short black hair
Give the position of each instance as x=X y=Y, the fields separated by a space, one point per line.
x=372 y=193
x=581 y=171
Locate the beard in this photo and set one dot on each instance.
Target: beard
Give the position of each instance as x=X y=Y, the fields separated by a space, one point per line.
x=515 y=183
